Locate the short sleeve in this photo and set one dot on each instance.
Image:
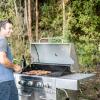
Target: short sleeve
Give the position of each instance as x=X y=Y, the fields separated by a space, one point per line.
x=3 y=45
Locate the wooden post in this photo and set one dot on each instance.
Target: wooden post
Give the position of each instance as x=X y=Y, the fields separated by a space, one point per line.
x=65 y=22
x=26 y=14
x=16 y=9
x=36 y=30
x=29 y=21
x=63 y=3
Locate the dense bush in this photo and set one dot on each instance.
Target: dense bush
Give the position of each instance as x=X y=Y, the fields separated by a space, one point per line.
x=82 y=24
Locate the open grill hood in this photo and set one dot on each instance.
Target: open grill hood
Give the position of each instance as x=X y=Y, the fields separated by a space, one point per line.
x=55 y=54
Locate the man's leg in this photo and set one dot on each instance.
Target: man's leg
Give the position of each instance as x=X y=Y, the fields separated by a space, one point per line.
x=4 y=91
x=14 y=92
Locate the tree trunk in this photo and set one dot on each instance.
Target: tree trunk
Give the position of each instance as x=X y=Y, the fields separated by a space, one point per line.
x=26 y=15
x=29 y=21
x=16 y=10
x=36 y=30
x=63 y=3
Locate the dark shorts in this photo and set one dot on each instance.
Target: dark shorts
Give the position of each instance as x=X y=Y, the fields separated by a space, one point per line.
x=8 y=91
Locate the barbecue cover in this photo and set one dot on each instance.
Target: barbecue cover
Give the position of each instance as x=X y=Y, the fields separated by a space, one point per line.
x=51 y=53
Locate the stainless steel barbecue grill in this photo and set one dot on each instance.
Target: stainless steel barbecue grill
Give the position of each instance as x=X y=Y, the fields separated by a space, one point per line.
x=61 y=61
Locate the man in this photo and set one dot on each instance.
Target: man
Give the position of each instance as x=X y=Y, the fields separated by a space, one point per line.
x=8 y=90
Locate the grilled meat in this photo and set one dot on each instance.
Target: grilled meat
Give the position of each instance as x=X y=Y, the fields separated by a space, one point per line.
x=37 y=72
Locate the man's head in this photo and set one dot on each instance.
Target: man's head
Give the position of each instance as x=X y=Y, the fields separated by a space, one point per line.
x=5 y=28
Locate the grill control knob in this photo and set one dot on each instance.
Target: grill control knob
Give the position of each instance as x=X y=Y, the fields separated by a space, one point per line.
x=39 y=84
x=22 y=82
x=47 y=86
x=30 y=83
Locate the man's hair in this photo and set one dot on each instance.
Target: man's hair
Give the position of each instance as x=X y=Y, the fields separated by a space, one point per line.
x=4 y=22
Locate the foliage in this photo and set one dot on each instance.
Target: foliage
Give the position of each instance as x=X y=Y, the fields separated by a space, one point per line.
x=82 y=24
x=17 y=41
x=6 y=9
x=86 y=20
x=51 y=20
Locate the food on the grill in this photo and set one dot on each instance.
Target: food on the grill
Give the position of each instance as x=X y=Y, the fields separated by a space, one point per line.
x=37 y=72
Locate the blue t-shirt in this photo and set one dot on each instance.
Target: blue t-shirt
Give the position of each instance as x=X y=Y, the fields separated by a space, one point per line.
x=6 y=74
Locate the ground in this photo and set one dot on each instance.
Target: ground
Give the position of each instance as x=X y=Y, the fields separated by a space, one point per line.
x=91 y=90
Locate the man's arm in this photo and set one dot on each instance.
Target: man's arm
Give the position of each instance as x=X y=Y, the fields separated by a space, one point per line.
x=6 y=62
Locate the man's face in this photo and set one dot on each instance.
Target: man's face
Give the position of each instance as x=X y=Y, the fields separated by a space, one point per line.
x=7 y=30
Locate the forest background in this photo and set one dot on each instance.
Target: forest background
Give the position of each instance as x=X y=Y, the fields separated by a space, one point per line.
x=61 y=21
x=76 y=21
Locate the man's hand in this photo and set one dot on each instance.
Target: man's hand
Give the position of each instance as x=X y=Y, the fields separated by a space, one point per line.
x=17 y=68
x=5 y=61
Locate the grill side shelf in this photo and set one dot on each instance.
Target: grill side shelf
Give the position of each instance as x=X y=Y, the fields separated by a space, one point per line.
x=73 y=81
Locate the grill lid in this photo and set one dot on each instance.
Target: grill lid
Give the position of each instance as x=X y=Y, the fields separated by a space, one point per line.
x=51 y=53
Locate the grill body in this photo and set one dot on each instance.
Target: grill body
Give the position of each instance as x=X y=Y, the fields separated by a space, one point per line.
x=63 y=81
